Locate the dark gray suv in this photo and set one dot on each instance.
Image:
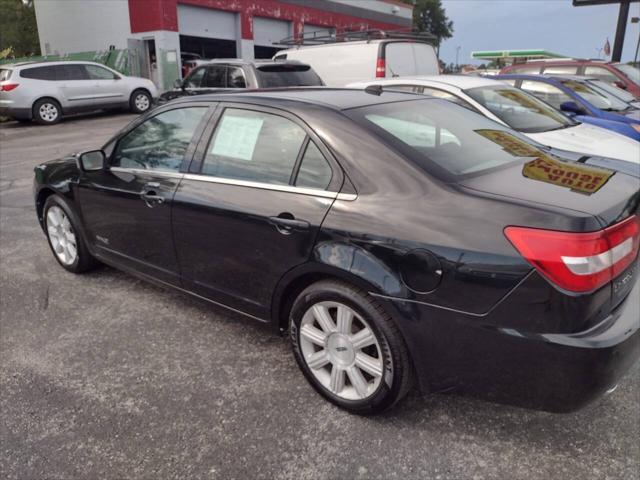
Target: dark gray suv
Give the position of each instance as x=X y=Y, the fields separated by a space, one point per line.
x=235 y=74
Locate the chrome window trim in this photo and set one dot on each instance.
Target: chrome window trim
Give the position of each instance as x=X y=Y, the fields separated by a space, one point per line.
x=159 y=173
x=270 y=186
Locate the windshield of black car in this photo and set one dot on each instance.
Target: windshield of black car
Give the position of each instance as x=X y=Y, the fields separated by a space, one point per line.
x=518 y=109
x=633 y=73
x=445 y=138
x=598 y=98
x=287 y=75
x=5 y=73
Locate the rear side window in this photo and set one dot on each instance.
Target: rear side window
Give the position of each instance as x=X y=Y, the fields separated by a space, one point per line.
x=160 y=143
x=40 y=73
x=99 y=73
x=5 y=73
x=72 y=72
x=254 y=146
x=314 y=171
x=235 y=78
x=287 y=75
x=443 y=138
x=560 y=69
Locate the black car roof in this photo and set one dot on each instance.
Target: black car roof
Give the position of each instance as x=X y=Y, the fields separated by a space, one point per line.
x=334 y=98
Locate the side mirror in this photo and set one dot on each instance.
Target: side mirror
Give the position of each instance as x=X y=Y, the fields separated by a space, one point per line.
x=92 y=160
x=620 y=84
x=571 y=108
x=177 y=83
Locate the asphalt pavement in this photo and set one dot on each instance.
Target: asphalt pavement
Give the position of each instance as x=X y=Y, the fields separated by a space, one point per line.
x=103 y=376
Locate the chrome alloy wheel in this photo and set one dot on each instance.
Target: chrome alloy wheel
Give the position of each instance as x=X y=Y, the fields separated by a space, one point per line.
x=342 y=351
x=61 y=235
x=48 y=112
x=141 y=102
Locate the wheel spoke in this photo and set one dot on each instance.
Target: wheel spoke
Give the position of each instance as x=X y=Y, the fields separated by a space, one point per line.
x=321 y=314
x=336 y=383
x=369 y=364
x=363 y=338
x=358 y=381
x=345 y=318
x=314 y=335
x=52 y=231
x=51 y=218
x=318 y=359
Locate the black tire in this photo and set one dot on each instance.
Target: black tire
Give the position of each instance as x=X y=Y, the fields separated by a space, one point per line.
x=83 y=261
x=397 y=378
x=140 y=101
x=43 y=111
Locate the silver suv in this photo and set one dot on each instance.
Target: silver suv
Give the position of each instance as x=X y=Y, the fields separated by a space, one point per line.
x=44 y=91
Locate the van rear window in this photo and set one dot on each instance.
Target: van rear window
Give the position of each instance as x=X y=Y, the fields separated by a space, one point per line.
x=287 y=75
x=5 y=73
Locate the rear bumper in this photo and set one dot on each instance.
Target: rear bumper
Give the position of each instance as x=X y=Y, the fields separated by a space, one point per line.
x=17 y=113
x=552 y=372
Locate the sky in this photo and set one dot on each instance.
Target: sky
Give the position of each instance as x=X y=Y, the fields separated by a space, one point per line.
x=554 y=25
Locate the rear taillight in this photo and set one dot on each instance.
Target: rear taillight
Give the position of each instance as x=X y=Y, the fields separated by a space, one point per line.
x=579 y=262
x=7 y=87
x=381 y=69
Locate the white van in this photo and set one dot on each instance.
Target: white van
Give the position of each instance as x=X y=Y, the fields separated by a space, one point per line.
x=341 y=63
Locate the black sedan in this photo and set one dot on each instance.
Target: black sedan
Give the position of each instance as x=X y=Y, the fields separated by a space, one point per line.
x=397 y=238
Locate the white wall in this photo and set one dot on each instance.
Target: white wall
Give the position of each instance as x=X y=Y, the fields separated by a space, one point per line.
x=206 y=22
x=267 y=31
x=70 y=26
x=402 y=11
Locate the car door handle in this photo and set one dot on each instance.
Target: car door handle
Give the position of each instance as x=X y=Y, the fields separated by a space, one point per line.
x=286 y=225
x=150 y=195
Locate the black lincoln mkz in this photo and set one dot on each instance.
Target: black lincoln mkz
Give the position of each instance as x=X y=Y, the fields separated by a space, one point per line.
x=396 y=237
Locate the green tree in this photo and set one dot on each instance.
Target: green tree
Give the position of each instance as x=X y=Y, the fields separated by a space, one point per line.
x=430 y=16
x=18 y=29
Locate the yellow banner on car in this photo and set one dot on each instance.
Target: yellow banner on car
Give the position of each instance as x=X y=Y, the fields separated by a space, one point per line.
x=545 y=168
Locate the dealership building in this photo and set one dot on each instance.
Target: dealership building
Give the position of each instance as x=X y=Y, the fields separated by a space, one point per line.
x=156 y=32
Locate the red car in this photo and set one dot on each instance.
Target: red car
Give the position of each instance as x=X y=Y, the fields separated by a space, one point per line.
x=621 y=75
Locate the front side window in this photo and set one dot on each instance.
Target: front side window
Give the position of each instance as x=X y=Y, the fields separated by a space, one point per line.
x=215 y=77
x=442 y=138
x=72 y=71
x=546 y=92
x=160 y=143
x=314 y=171
x=254 y=146
x=235 y=78
x=519 y=110
x=99 y=73
x=598 y=99
x=195 y=79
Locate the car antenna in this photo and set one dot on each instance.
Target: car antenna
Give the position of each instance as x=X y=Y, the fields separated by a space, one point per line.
x=374 y=90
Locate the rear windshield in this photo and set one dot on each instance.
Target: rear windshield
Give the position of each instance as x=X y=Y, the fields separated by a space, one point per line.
x=443 y=138
x=270 y=76
x=518 y=109
x=5 y=73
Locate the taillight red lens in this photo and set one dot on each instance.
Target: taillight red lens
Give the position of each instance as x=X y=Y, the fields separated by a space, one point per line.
x=579 y=262
x=7 y=87
x=381 y=69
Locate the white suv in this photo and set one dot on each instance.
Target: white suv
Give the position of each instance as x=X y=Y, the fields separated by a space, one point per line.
x=44 y=91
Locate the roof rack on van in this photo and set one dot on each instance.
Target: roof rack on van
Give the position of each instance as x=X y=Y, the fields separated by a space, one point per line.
x=323 y=37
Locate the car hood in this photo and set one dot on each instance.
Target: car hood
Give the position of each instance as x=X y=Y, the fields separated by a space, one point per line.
x=560 y=183
x=592 y=141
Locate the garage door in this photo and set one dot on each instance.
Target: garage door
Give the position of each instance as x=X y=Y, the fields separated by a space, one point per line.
x=267 y=31
x=206 y=22
x=319 y=30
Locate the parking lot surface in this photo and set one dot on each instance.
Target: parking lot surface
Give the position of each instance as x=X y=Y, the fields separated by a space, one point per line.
x=105 y=376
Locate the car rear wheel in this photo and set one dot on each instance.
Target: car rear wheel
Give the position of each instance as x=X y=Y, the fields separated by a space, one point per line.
x=64 y=236
x=349 y=348
x=47 y=111
x=140 y=101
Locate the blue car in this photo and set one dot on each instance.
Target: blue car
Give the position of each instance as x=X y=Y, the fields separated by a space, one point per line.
x=575 y=97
